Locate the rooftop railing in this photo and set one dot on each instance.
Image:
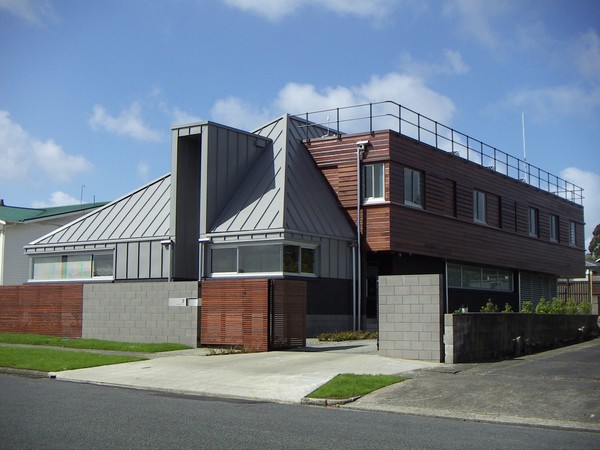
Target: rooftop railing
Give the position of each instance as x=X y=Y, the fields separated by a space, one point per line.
x=391 y=115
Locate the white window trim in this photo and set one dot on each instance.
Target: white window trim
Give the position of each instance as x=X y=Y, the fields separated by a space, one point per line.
x=373 y=199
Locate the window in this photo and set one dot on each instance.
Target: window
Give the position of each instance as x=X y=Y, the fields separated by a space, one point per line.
x=479 y=207
x=553 y=225
x=75 y=266
x=572 y=233
x=272 y=258
x=413 y=187
x=533 y=222
x=373 y=181
x=480 y=278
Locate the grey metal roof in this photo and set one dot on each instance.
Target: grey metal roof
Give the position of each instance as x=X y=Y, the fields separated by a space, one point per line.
x=284 y=189
x=143 y=213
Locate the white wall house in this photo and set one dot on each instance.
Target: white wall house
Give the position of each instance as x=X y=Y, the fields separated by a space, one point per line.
x=19 y=226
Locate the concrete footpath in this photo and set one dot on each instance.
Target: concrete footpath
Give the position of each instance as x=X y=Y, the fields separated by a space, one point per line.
x=558 y=389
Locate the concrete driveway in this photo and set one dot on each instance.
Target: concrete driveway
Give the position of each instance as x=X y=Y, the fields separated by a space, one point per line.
x=280 y=376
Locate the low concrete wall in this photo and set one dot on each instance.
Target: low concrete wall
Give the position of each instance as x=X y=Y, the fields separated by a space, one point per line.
x=151 y=312
x=475 y=337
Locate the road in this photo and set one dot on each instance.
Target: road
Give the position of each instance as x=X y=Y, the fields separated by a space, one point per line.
x=43 y=413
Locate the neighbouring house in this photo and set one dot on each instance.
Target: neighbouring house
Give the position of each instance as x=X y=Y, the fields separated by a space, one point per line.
x=19 y=226
x=283 y=232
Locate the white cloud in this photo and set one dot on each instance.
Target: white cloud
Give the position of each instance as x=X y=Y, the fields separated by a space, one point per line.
x=33 y=11
x=590 y=182
x=25 y=158
x=556 y=101
x=181 y=117
x=296 y=98
x=57 y=198
x=128 y=123
x=143 y=170
x=236 y=112
x=451 y=64
x=275 y=10
x=475 y=18
x=587 y=55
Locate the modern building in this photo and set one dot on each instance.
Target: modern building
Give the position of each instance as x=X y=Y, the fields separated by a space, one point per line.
x=19 y=226
x=318 y=214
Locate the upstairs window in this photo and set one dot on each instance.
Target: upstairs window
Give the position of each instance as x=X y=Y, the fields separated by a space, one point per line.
x=413 y=187
x=572 y=233
x=479 y=207
x=553 y=225
x=373 y=182
x=533 y=222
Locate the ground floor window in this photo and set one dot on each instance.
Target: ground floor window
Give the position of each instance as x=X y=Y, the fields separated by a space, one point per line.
x=75 y=266
x=265 y=258
x=464 y=276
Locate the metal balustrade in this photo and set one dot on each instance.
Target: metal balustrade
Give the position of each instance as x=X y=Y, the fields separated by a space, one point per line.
x=391 y=115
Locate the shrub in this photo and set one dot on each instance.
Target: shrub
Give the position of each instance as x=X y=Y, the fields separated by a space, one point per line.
x=489 y=307
x=507 y=308
x=557 y=306
x=542 y=307
x=584 y=308
x=527 y=307
x=571 y=307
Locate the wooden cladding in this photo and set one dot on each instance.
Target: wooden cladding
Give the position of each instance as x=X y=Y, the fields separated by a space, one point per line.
x=238 y=312
x=49 y=309
x=235 y=312
x=445 y=226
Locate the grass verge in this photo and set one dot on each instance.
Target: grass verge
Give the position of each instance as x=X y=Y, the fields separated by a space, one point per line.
x=51 y=360
x=350 y=385
x=90 y=344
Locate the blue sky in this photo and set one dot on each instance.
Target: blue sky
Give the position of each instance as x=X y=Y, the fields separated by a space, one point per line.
x=89 y=90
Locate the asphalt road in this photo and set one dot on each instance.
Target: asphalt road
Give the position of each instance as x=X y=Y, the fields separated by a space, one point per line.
x=44 y=413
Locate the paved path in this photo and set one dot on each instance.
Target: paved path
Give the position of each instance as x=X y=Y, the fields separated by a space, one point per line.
x=558 y=388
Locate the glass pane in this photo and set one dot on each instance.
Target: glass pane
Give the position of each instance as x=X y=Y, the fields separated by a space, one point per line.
x=454 y=276
x=471 y=277
x=308 y=260
x=78 y=266
x=223 y=260
x=378 y=179
x=490 y=279
x=290 y=258
x=47 y=268
x=505 y=280
x=102 y=265
x=408 y=187
x=260 y=258
x=416 y=190
x=368 y=182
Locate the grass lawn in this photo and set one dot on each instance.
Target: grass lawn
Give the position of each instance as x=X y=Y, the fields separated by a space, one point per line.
x=90 y=344
x=350 y=385
x=51 y=360
x=55 y=360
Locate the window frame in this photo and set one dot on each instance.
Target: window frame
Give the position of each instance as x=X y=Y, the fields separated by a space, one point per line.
x=414 y=180
x=373 y=182
x=299 y=264
x=572 y=233
x=554 y=228
x=469 y=280
x=533 y=222
x=479 y=207
x=79 y=263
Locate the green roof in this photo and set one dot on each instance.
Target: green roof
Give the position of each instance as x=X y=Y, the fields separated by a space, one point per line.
x=17 y=214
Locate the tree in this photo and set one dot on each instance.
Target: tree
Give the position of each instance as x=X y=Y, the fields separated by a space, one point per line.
x=594 y=246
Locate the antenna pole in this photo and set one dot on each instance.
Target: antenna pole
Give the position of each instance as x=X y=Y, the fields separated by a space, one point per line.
x=523 y=127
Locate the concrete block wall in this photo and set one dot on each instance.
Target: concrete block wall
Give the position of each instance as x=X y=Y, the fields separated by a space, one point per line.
x=141 y=312
x=410 y=317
